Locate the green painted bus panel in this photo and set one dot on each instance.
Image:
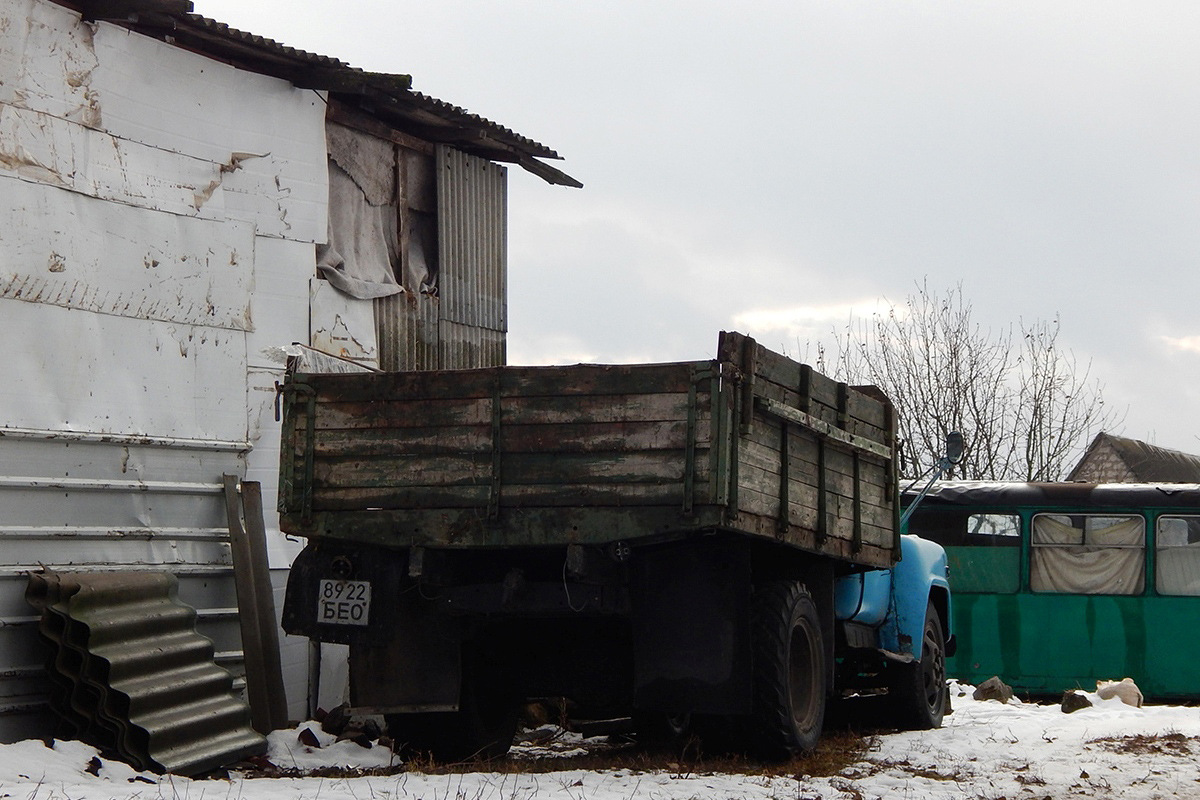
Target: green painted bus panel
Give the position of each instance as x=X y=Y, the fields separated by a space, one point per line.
x=1047 y=644
x=978 y=569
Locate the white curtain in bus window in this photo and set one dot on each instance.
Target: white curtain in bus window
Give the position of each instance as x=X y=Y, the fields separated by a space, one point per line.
x=1178 y=555
x=1087 y=554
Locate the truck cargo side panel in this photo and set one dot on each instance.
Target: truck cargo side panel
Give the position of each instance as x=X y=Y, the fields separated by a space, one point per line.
x=752 y=443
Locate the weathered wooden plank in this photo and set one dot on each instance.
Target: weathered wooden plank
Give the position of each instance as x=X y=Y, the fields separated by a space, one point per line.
x=844 y=438
x=416 y=470
x=803 y=471
x=827 y=414
x=511 y=382
x=806 y=518
x=630 y=436
x=438 y=385
x=448 y=412
x=550 y=438
x=569 y=468
x=558 y=469
x=784 y=373
x=762 y=497
x=426 y=498
x=400 y=441
x=456 y=411
x=584 y=494
x=399 y=498
x=596 y=409
x=759 y=519
x=600 y=380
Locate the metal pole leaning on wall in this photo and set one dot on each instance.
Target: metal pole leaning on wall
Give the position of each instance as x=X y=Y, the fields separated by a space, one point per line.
x=256 y=605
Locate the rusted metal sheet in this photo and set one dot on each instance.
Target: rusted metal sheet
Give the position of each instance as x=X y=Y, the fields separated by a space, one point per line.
x=463 y=325
x=130 y=672
x=408 y=327
x=471 y=347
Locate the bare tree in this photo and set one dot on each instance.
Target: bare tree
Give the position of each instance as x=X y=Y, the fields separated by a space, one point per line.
x=1025 y=409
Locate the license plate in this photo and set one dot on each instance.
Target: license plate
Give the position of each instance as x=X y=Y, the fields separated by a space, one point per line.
x=343 y=602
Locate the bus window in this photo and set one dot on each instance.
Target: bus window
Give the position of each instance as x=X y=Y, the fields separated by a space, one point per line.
x=1087 y=554
x=983 y=550
x=1177 y=540
x=991 y=560
x=981 y=528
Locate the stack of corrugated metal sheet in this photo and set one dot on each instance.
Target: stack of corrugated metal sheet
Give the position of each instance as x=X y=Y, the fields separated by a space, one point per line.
x=130 y=672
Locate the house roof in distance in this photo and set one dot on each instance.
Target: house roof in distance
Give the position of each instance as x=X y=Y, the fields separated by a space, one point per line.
x=1145 y=462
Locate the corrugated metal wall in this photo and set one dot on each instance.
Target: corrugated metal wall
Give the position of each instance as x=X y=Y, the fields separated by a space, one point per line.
x=123 y=503
x=473 y=262
x=465 y=323
x=407 y=330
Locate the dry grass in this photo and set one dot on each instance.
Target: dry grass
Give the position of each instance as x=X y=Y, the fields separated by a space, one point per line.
x=838 y=751
x=1170 y=744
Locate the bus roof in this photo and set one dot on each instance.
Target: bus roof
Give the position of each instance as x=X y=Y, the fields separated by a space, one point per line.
x=1013 y=493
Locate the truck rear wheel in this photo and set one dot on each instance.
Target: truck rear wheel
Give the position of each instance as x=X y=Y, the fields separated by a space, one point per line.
x=789 y=670
x=918 y=690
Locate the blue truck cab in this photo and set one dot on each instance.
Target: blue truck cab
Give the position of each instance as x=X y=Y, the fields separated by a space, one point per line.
x=898 y=626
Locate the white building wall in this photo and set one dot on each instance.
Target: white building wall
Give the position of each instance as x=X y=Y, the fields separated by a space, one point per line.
x=157 y=215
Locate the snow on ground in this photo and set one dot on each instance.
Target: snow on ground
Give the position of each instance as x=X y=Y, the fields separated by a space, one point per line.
x=986 y=750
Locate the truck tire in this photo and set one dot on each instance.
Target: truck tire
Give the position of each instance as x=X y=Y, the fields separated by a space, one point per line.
x=482 y=729
x=918 y=690
x=789 y=670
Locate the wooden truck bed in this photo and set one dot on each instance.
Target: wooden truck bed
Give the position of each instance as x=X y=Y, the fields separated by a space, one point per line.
x=750 y=442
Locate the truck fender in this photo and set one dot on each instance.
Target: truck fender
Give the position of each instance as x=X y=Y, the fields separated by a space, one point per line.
x=919 y=578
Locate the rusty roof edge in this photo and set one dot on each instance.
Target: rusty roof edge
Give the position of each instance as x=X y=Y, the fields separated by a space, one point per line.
x=392 y=94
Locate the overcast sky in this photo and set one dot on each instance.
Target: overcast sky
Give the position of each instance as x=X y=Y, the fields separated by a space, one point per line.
x=770 y=166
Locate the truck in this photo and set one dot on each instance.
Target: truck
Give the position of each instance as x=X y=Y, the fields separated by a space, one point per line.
x=708 y=546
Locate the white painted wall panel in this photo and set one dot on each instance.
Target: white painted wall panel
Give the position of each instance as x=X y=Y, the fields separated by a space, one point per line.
x=273 y=133
x=137 y=120
x=93 y=372
x=41 y=147
x=341 y=324
x=45 y=69
x=157 y=215
x=65 y=249
x=279 y=301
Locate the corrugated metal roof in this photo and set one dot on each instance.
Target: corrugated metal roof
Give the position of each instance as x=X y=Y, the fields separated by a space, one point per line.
x=131 y=673
x=387 y=96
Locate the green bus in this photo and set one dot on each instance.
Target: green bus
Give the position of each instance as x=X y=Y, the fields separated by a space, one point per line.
x=1059 y=585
